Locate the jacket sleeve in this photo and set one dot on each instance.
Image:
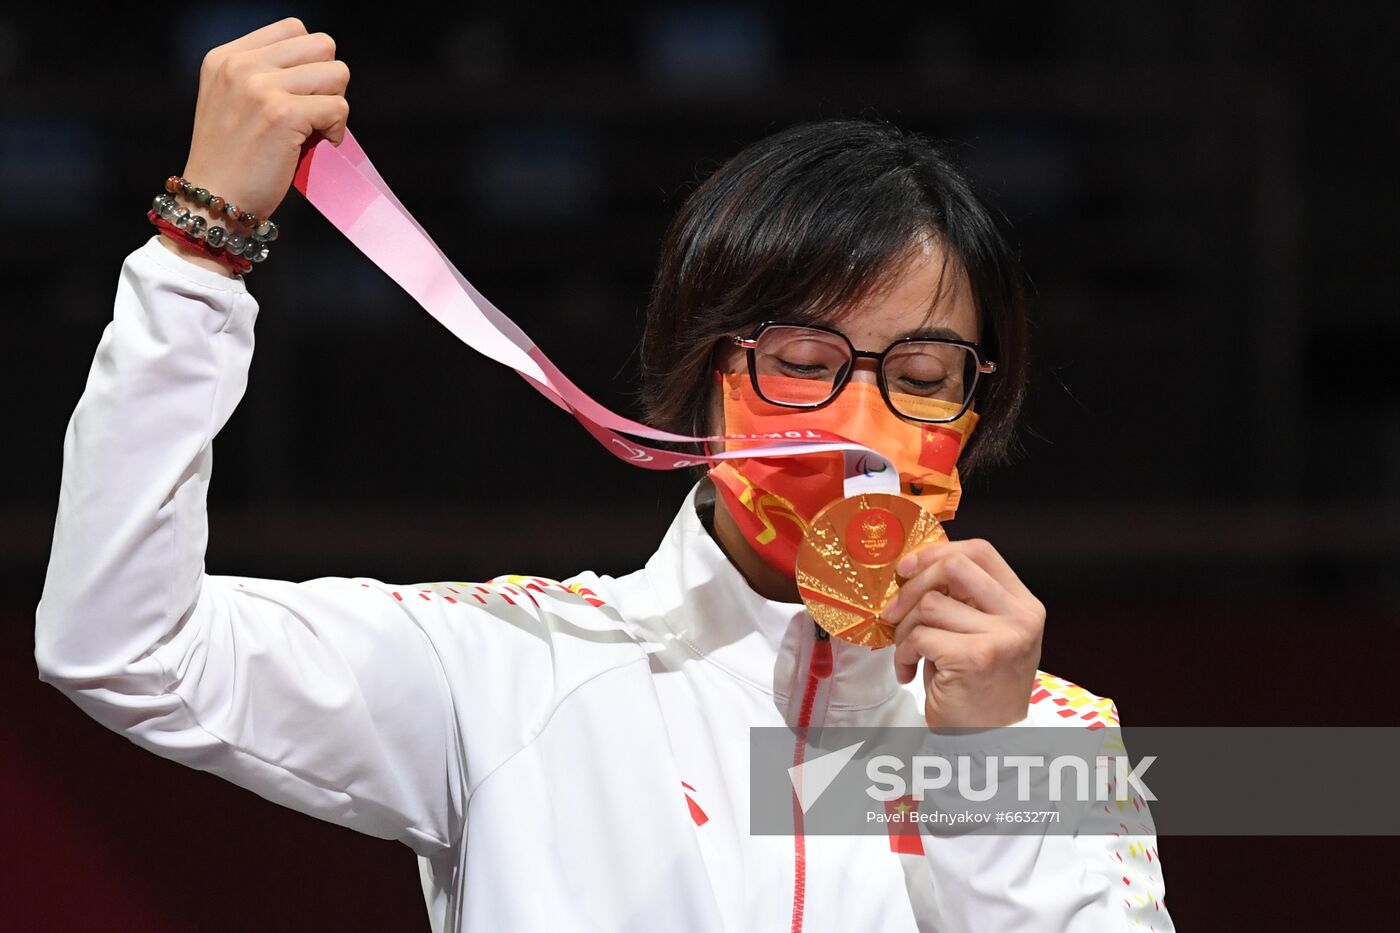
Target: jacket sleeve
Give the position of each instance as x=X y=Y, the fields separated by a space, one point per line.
x=326 y=696
x=1107 y=877
x=1118 y=844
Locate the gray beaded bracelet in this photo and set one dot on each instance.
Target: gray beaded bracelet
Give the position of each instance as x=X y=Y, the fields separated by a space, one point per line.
x=215 y=237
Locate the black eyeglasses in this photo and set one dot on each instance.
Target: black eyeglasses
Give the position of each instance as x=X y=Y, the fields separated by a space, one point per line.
x=807 y=365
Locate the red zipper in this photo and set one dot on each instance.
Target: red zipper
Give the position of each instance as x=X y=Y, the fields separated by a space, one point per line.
x=819 y=666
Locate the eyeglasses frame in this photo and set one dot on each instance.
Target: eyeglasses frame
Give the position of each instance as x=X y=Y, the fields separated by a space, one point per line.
x=750 y=345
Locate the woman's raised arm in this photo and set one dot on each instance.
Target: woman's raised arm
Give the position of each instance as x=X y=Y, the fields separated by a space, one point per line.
x=327 y=696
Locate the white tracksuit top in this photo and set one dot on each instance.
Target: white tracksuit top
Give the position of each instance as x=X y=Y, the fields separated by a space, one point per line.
x=560 y=756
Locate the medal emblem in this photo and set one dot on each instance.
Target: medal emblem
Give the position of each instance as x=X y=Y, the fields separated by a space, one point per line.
x=846 y=561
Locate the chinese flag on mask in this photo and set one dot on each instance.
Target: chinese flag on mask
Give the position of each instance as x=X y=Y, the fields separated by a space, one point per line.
x=938 y=450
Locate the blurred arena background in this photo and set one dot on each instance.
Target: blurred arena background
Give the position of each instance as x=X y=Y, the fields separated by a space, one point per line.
x=1207 y=501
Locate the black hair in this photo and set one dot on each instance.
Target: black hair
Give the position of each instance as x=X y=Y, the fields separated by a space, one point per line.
x=813 y=219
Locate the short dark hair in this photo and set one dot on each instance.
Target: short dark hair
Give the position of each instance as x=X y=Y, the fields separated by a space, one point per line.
x=806 y=221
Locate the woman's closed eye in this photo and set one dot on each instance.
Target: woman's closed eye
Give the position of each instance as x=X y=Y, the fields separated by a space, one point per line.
x=805 y=370
x=920 y=386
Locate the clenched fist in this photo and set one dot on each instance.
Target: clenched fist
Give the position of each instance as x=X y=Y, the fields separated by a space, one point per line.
x=977 y=628
x=260 y=98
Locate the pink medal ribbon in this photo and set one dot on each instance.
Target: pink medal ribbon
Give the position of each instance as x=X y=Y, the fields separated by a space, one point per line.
x=344 y=186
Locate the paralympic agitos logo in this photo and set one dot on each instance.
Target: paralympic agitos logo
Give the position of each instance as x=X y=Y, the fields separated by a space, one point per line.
x=863 y=464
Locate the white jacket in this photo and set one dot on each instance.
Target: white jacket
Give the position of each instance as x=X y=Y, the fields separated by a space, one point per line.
x=561 y=756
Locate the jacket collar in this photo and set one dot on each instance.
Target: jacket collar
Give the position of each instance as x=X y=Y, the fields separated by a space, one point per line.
x=704 y=607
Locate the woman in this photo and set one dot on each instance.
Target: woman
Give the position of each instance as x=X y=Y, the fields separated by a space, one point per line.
x=574 y=755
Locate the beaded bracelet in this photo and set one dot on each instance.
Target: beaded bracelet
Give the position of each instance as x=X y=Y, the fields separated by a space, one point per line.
x=214 y=241
x=238 y=265
x=263 y=231
x=237 y=251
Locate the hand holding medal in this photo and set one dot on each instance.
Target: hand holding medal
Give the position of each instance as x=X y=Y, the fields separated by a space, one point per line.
x=977 y=627
x=878 y=570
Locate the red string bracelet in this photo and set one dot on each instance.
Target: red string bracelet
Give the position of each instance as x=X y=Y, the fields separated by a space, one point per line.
x=239 y=265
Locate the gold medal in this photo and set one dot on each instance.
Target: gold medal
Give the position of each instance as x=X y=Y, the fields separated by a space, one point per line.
x=846 y=561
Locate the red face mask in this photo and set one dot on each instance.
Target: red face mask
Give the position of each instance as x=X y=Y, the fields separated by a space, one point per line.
x=772 y=500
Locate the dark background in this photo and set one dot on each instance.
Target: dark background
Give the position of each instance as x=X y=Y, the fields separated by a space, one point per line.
x=1208 y=499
